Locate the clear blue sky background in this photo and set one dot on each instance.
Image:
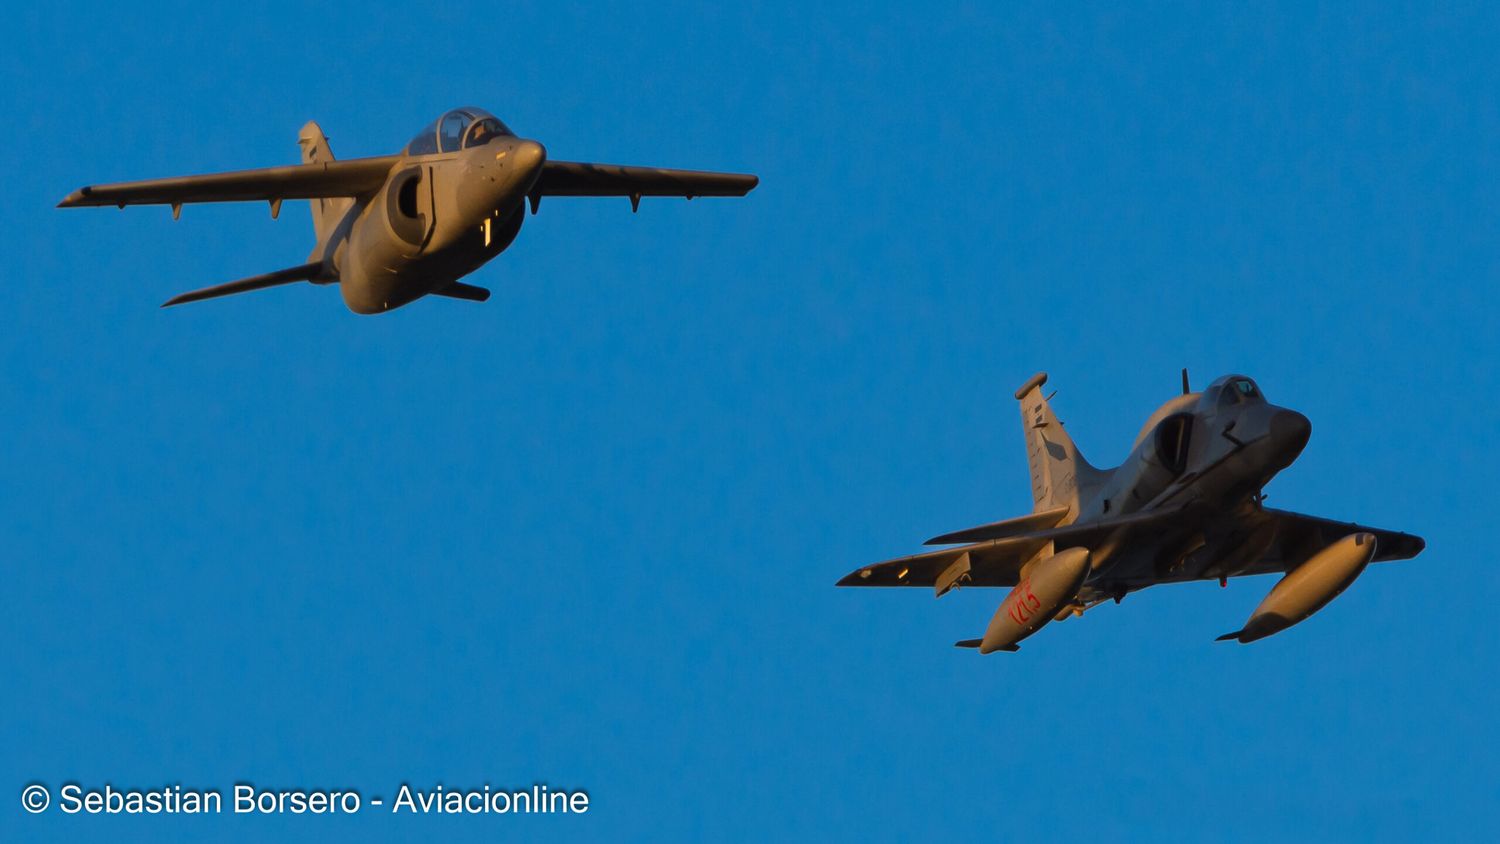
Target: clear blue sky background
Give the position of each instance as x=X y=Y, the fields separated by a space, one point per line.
x=587 y=533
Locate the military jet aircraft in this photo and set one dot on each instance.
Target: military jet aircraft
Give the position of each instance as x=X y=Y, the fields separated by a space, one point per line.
x=394 y=228
x=1185 y=505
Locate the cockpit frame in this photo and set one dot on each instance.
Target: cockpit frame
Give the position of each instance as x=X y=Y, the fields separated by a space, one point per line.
x=458 y=129
x=1232 y=390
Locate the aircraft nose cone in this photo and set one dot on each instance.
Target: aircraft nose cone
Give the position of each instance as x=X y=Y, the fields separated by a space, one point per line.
x=1290 y=431
x=529 y=154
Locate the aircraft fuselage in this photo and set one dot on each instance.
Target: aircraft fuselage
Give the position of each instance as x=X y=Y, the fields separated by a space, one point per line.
x=438 y=218
x=393 y=228
x=1205 y=453
x=1186 y=504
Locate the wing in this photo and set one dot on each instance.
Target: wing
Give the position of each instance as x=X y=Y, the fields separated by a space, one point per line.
x=1000 y=530
x=990 y=564
x=1299 y=536
x=576 y=178
x=356 y=177
x=998 y=562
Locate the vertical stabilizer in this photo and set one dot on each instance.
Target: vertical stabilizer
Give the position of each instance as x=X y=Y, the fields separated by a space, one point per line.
x=326 y=212
x=1060 y=476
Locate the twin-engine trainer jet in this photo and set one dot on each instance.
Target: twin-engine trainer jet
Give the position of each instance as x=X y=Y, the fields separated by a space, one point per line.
x=394 y=228
x=1185 y=505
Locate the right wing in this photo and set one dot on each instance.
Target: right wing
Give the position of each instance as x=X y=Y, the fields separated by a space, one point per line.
x=998 y=562
x=356 y=177
x=991 y=564
x=1000 y=530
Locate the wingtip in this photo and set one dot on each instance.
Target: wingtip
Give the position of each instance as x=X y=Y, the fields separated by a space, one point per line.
x=1228 y=636
x=743 y=183
x=858 y=577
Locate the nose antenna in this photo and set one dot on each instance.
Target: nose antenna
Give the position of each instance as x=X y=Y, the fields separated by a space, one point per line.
x=1185 y=389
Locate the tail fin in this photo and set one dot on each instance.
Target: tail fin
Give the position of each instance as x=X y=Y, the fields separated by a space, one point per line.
x=1060 y=476
x=326 y=213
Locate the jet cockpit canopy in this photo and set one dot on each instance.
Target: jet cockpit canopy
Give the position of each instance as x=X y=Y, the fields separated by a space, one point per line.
x=1231 y=390
x=460 y=128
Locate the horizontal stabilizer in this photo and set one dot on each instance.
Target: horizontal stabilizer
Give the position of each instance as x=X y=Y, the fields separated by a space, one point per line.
x=1003 y=529
x=306 y=272
x=974 y=643
x=468 y=292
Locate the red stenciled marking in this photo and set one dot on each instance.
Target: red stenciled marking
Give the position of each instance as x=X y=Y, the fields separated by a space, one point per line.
x=1024 y=603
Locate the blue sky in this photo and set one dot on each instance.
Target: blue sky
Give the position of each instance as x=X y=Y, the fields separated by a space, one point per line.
x=586 y=533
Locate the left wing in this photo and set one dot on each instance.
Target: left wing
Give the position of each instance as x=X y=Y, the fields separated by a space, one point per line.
x=576 y=178
x=1299 y=536
x=356 y=177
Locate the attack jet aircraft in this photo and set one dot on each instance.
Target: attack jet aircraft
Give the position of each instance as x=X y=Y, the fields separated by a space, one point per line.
x=1185 y=505
x=394 y=228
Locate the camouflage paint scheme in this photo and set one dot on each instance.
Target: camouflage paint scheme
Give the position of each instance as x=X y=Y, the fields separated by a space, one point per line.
x=1185 y=505
x=394 y=228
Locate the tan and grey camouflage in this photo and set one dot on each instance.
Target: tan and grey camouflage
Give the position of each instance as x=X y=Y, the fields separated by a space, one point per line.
x=1185 y=505
x=394 y=228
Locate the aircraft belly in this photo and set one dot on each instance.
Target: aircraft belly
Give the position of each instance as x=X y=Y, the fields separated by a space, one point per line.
x=382 y=275
x=383 y=289
x=458 y=261
x=1149 y=557
x=1133 y=567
